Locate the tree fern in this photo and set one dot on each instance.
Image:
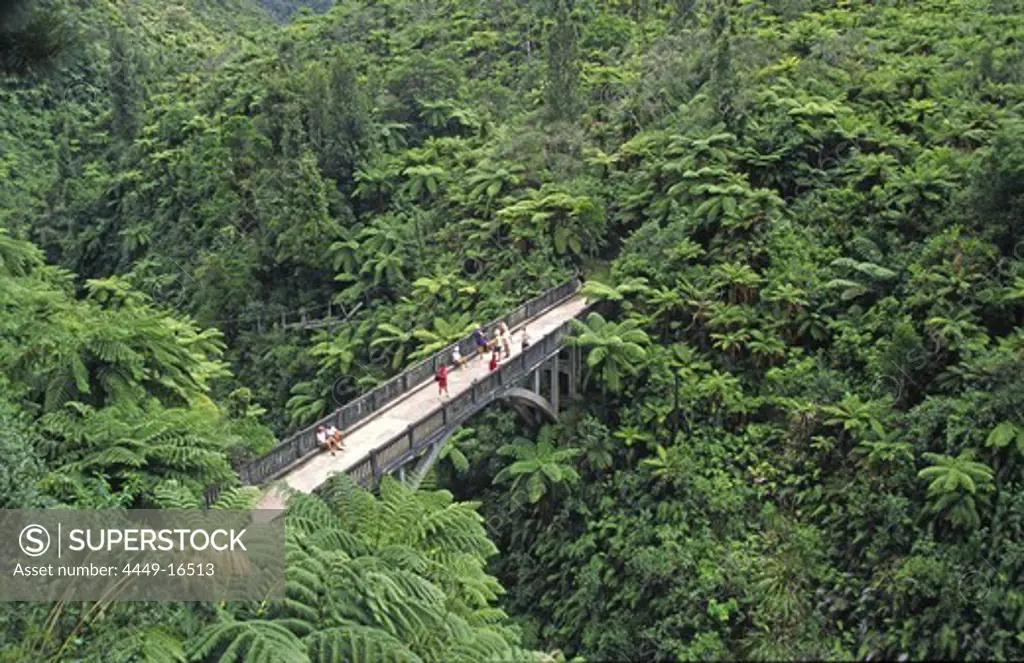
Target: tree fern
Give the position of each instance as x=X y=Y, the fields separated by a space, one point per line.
x=394 y=609
x=457 y=527
x=357 y=644
x=148 y=442
x=453 y=453
x=956 y=485
x=488 y=646
x=350 y=503
x=306 y=403
x=307 y=514
x=150 y=646
x=172 y=495
x=404 y=557
x=238 y=497
x=401 y=577
x=306 y=580
x=247 y=642
x=474 y=586
x=17 y=257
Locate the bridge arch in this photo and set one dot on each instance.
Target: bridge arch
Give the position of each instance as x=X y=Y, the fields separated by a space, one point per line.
x=531 y=407
x=528 y=402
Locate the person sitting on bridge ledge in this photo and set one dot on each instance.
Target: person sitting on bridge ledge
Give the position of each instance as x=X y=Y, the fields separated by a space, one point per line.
x=457 y=357
x=334 y=438
x=327 y=441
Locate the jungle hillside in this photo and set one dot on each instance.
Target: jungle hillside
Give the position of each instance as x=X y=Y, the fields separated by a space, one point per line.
x=800 y=432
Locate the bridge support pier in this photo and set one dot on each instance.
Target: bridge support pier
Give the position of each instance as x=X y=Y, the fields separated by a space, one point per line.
x=555 y=383
x=536 y=381
x=574 y=370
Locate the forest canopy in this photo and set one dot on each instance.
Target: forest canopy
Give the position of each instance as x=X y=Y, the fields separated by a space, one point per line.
x=799 y=433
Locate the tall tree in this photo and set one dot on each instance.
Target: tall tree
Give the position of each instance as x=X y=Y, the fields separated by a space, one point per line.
x=563 y=68
x=125 y=87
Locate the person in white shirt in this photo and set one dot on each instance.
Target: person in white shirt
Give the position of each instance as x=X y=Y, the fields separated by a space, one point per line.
x=457 y=357
x=506 y=339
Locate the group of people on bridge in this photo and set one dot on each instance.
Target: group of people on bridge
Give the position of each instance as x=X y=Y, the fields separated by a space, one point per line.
x=500 y=343
x=330 y=438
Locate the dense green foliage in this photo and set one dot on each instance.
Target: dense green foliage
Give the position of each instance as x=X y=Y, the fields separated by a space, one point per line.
x=33 y=36
x=828 y=261
x=801 y=435
x=396 y=579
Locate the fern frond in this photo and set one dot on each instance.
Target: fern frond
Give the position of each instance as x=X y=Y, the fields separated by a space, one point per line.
x=238 y=497
x=247 y=642
x=358 y=644
x=488 y=646
x=171 y=494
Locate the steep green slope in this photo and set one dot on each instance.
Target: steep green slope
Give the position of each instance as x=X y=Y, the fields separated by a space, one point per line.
x=827 y=270
x=808 y=215
x=66 y=130
x=110 y=398
x=370 y=144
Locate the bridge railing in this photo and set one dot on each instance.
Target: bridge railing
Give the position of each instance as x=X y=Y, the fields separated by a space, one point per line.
x=303 y=443
x=368 y=470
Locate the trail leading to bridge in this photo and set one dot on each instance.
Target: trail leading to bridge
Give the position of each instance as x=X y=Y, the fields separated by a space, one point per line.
x=378 y=429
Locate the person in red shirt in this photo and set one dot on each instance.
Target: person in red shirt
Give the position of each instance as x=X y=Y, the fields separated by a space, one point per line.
x=494 y=359
x=442 y=380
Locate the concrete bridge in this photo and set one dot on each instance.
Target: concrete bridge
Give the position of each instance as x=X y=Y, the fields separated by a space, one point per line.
x=400 y=426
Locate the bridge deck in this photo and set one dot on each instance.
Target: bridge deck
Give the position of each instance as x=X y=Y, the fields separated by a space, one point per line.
x=418 y=402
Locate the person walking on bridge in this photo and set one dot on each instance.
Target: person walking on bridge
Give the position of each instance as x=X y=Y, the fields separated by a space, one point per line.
x=442 y=380
x=505 y=338
x=481 y=341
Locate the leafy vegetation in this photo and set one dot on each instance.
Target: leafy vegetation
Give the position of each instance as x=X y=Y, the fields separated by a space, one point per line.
x=800 y=434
